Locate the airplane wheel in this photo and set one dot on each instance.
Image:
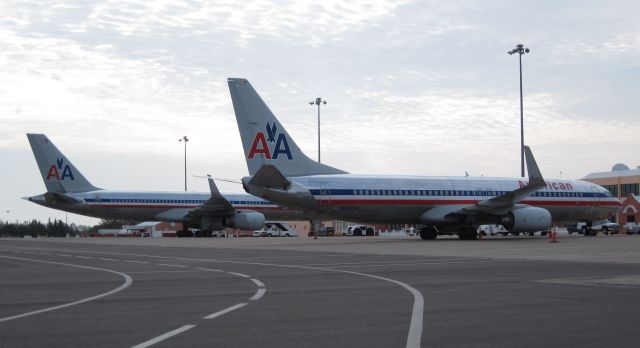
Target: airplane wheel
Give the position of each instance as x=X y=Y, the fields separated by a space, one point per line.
x=428 y=233
x=467 y=233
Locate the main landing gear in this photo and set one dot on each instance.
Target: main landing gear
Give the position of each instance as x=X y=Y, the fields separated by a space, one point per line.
x=428 y=232
x=467 y=233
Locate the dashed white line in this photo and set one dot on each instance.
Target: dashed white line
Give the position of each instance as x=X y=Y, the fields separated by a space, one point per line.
x=84 y=257
x=225 y=311
x=239 y=274
x=106 y=259
x=164 y=336
x=258 y=294
x=209 y=269
x=166 y=264
x=258 y=283
x=127 y=282
x=65 y=255
x=133 y=261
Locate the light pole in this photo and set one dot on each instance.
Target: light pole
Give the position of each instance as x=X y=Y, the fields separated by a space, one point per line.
x=185 y=139
x=318 y=101
x=520 y=50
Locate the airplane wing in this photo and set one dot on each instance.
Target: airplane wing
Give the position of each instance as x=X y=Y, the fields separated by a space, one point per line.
x=217 y=204
x=499 y=205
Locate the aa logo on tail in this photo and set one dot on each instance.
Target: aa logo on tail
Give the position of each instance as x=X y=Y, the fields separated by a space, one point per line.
x=278 y=142
x=59 y=166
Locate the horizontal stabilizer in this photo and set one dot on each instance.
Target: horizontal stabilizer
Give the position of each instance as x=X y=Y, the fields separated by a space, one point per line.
x=61 y=198
x=270 y=177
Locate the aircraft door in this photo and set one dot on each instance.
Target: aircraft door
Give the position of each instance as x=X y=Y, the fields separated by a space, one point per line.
x=595 y=203
x=325 y=195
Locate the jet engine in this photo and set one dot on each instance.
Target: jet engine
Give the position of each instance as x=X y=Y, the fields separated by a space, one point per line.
x=527 y=219
x=249 y=220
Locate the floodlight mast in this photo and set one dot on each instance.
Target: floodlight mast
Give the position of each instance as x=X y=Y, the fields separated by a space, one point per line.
x=185 y=139
x=318 y=101
x=520 y=50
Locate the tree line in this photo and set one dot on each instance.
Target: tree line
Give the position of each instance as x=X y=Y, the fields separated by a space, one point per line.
x=55 y=228
x=35 y=228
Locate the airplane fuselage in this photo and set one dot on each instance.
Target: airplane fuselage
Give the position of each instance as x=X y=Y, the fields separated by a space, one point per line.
x=404 y=199
x=164 y=206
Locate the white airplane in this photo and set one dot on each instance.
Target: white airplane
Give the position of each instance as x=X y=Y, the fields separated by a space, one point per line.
x=280 y=172
x=69 y=190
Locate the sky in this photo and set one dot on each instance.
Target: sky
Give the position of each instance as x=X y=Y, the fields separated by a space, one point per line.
x=412 y=87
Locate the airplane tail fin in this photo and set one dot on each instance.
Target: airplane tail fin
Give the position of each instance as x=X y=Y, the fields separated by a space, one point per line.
x=58 y=173
x=264 y=139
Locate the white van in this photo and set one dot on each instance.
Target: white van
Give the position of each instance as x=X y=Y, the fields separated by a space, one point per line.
x=276 y=229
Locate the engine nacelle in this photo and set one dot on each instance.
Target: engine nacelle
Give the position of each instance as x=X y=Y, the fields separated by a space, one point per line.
x=528 y=219
x=250 y=220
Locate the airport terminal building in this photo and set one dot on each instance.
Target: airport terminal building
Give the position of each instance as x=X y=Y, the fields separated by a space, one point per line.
x=623 y=183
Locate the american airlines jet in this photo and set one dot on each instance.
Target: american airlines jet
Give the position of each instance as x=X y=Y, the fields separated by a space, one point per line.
x=69 y=190
x=280 y=172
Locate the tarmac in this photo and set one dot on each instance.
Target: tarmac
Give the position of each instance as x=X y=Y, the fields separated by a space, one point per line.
x=331 y=292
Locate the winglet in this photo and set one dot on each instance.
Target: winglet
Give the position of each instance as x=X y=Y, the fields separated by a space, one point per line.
x=532 y=167
x=217 y=201
x=212 y=186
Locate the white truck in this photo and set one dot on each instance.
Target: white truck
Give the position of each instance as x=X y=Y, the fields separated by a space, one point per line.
x=276 y=229
x=604 y=226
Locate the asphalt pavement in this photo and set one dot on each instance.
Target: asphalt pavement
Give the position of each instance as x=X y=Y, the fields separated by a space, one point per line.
x=333 y=292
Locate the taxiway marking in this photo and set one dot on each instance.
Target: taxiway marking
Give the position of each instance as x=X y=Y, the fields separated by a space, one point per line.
x=225 y=311
x=164 y=336
x=127 y=281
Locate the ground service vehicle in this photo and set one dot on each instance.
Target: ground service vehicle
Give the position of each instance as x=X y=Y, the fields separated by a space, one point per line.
x=275 y=229
x=605 y=226
x=632 y=227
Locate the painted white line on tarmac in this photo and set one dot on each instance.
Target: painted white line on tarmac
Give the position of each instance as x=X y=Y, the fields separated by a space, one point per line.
x=164 y=336
x=240 y=274
x=225 y=311
x=170 y=265
x=106 y=259
x=65 y=255
x=258 y=283
x=84 y=257
x=209 y=269
x=258 y=294
x=133 y=261
x=176 y=271
x=415 y=327
x=127 y=282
